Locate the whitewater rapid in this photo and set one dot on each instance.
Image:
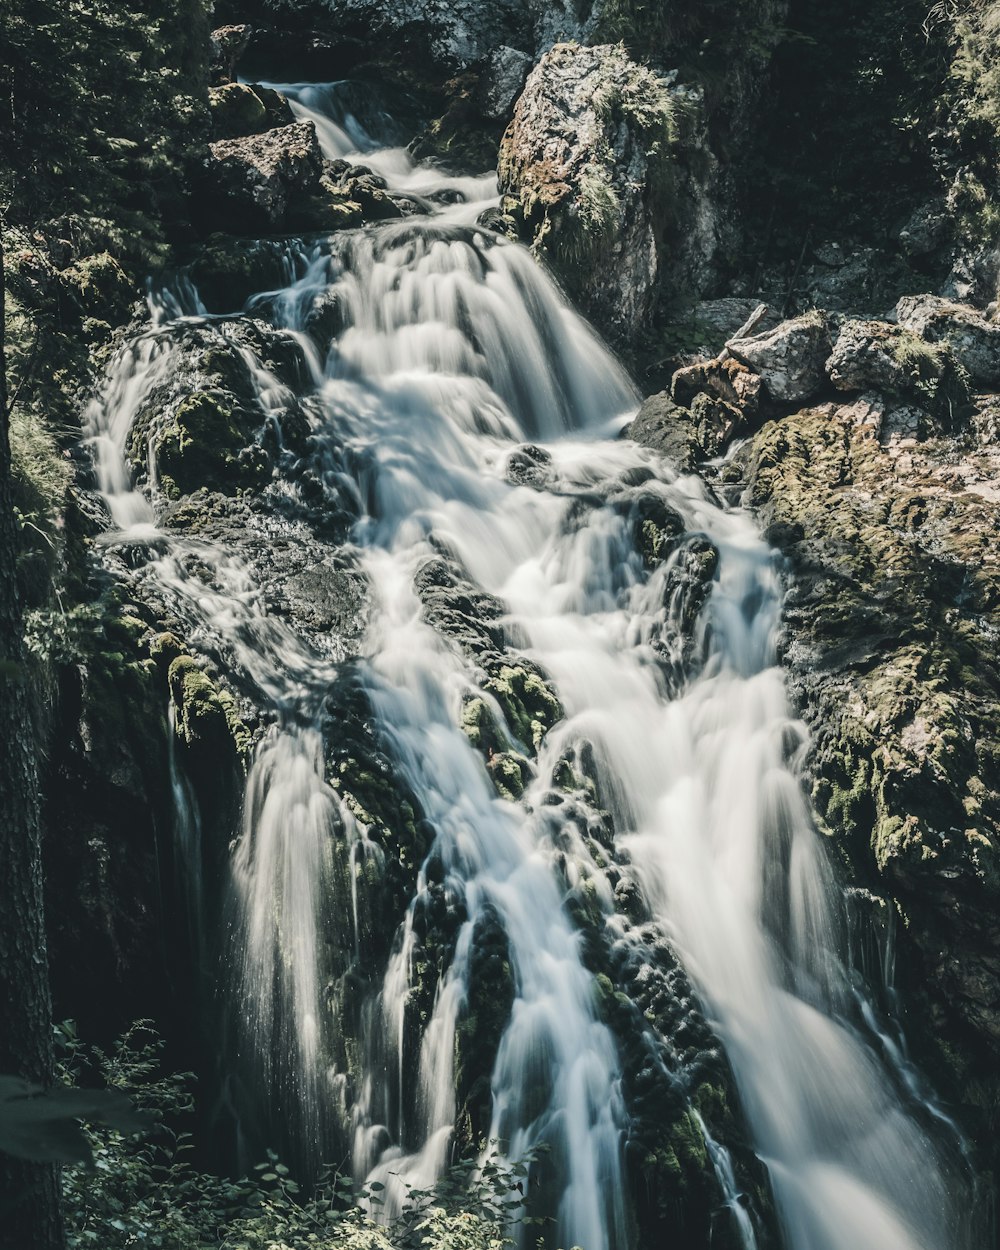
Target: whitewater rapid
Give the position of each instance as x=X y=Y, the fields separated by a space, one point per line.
x=454 y=351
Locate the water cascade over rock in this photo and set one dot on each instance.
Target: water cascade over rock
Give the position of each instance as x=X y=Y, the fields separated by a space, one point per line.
x=524 y=854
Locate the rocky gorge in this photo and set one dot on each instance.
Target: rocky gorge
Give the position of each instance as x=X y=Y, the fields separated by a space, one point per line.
x=343 y=548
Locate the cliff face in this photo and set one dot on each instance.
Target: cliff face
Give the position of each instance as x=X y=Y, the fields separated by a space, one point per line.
x=674 y=167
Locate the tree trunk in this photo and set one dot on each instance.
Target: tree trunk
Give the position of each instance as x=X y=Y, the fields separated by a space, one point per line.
x=30 y=1217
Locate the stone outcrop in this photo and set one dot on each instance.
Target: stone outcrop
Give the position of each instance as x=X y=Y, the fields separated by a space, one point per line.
x=257 y=175
x=791 y=358
x=973 y=338
x=586 y=166
x=239 y=109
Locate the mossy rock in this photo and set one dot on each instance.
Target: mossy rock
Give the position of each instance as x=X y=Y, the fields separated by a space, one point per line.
x=528 y=702
x=101 y=288
x=239 y=110
x=656 y=527
x=203 y=445
x=207 y=717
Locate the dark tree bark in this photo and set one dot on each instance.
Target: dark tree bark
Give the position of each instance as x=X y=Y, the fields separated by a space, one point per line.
x=30 y=1217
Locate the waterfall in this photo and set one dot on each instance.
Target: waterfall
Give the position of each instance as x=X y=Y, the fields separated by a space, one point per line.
x=455 y=360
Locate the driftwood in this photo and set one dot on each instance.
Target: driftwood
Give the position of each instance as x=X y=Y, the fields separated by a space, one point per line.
x=745 y=330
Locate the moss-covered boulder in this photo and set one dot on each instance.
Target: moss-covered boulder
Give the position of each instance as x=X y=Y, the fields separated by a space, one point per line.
x=876 y=355
x=240 y=109
x=202 y=443
x=207 y=716
x=587 y=167
x=973 y=339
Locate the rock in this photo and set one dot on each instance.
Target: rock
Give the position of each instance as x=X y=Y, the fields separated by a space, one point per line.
x=884 y=357
x=928 y=230
x=724 y=378
x=239 y=110
x=100 y=287
x=586 y=166
x=974 y=340
x=259 y=174
x=501 y=82
x=890 y=628
x=668 y=429
x=228 y=43
x=791 y=358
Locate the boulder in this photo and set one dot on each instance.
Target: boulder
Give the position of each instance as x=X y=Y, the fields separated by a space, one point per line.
x=227 y=45
x=239 y=110
x=257 y=175
x=889 y=643
x=791 y=358
x=875 y=355
x=668 y=429
x=974 y=340
x=585 y=167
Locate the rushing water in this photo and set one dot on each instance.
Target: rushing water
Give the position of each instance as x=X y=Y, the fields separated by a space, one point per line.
x=454 y=349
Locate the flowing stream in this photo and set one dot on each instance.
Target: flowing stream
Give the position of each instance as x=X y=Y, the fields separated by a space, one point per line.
x=454 y=352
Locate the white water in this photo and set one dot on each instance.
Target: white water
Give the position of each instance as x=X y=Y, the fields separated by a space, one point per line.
x=456 y=349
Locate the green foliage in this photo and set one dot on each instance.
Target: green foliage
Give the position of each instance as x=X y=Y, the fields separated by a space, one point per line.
x=975 y=117
x=936 y=377
x=100 y=106
x=145 y=1191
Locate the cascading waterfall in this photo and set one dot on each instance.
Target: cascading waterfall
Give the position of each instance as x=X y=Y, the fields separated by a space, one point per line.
x=452 y=351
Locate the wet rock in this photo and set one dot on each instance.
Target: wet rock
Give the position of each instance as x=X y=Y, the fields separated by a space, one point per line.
x=239 y=110
x=655 y=527
x=207 y=715
x=328 y=597
x=258 y=175
x=890 y=629
x=791 y=358
x=529 y=466
x=586 y=164
x=974 y=340
x=667 y=428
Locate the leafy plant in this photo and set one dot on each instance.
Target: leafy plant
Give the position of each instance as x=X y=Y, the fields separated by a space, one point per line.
x=146 y=1191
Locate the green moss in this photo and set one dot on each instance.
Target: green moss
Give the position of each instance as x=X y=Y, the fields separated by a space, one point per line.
x=100 y=287
x=937 y=380
x=236 y=111
x=529 y=704
x=202 y=443
x=511 y=774
x=207 y=715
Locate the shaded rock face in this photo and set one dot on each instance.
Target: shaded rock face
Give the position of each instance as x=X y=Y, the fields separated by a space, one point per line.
x=257 y=175
x=453 y=34
x=586 y=167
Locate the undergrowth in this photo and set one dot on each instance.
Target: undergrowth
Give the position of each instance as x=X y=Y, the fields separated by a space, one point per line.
x=145 y=1190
